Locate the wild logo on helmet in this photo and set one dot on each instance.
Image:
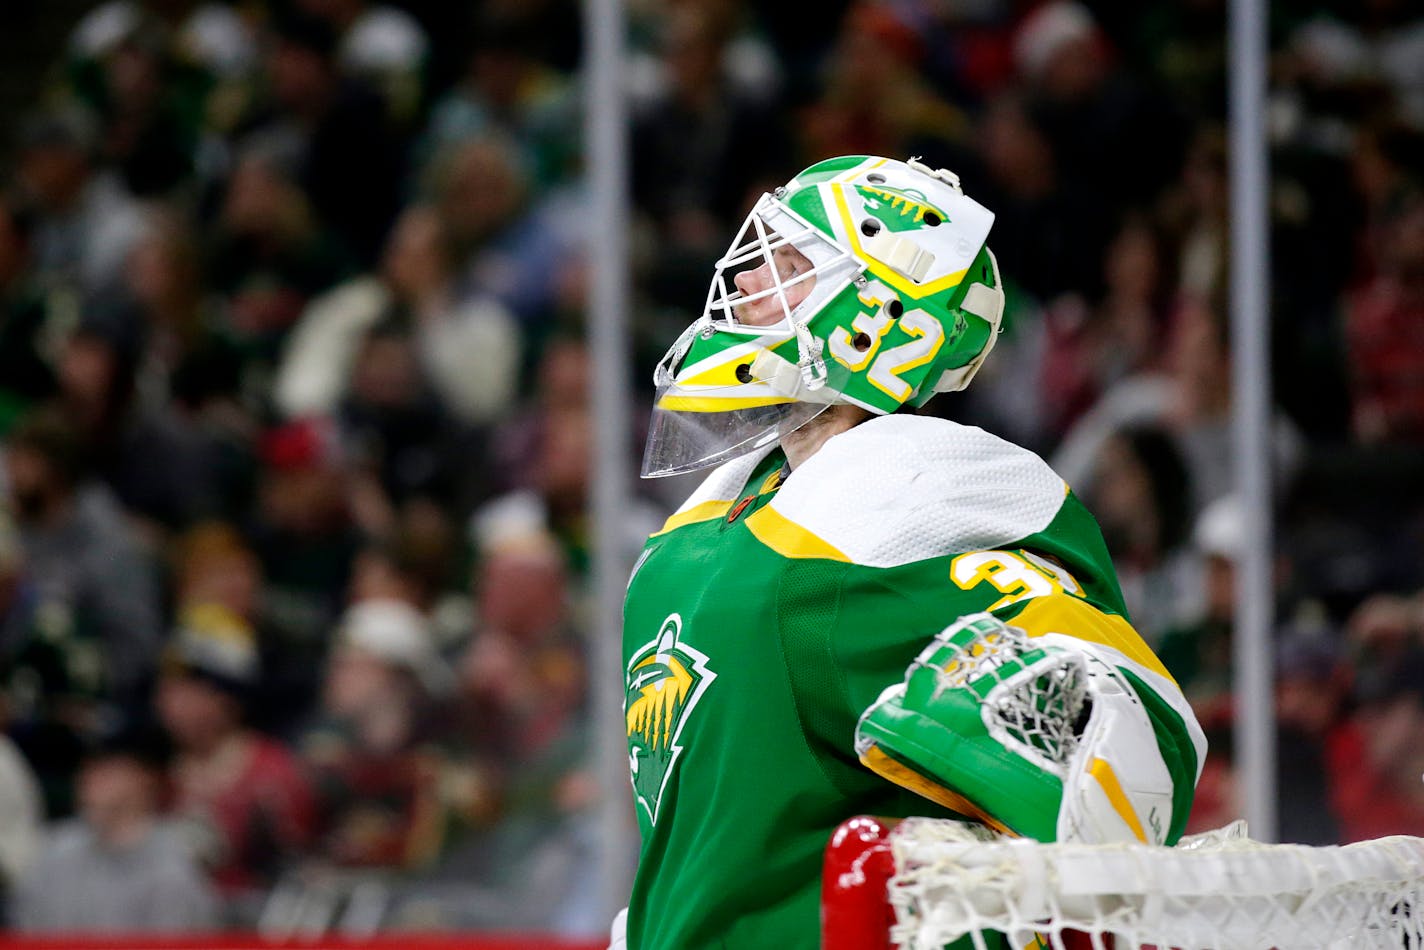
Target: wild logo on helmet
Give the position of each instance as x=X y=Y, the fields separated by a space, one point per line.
x=664 y=682
x=900 y=210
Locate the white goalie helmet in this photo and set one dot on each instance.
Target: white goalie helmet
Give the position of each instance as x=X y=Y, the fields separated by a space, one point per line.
x=863 y=281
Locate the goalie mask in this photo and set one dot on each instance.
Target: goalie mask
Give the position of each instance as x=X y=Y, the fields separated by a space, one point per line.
x=863 y=281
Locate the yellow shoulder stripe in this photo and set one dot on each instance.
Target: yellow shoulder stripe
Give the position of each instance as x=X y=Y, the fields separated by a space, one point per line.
x=1061 y=613
x=703 y=511
x=788 y=538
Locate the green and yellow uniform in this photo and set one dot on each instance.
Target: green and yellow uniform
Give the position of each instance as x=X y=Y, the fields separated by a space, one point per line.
x=772 y=609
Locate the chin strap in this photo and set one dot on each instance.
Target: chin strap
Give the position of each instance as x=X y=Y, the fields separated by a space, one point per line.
x=811 y=367
x=793 y=379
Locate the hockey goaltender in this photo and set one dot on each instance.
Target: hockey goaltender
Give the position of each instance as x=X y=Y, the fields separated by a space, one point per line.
x=862 y=609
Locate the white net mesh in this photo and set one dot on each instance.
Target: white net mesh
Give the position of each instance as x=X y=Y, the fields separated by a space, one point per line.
x=1218 y=891
x=1031 y=699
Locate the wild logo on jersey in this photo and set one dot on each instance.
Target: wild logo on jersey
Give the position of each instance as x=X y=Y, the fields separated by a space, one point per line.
x=664 y=682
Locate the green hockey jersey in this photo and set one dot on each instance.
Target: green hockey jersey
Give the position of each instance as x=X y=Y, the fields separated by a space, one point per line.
x=773 y=608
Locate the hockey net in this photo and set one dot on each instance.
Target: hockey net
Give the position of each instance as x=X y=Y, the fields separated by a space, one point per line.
x=926 y=883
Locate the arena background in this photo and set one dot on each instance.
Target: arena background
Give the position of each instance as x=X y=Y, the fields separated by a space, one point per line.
x=298 y=600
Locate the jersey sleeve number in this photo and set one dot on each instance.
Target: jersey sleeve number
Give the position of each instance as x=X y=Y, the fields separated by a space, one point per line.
x=1018 y=575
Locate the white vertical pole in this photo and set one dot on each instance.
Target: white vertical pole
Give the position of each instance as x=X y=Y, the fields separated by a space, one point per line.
x=1251 y=401
x=606 y=164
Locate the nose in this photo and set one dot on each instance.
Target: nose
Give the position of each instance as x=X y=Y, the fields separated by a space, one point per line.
x=754 y=281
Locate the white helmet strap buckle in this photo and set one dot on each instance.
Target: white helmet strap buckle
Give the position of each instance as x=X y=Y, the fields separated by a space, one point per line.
x=943 y=174
x=900 y=253
x=791 y=379
x=987 y=303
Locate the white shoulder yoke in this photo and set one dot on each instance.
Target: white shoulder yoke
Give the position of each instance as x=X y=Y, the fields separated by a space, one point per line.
x=898 y=489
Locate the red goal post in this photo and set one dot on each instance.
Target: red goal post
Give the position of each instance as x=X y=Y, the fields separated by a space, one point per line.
x=252 y=941
x=921 y=883
x=856 y=913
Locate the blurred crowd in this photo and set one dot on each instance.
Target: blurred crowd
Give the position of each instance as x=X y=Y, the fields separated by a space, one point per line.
x=296 y=429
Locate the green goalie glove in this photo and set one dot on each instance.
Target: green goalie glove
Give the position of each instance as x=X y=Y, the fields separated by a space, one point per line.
x=1041 y=737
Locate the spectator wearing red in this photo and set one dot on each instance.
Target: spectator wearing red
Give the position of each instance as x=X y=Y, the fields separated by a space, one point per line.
x=520 y=737
x=1384 y=326
x=1091 y=347
x=1376 y=756
x=305 y=531
x=243 y=793
x=876 y=100
x=376 y=772
x=525 y=663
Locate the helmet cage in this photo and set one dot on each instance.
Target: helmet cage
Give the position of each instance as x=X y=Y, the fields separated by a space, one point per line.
x=770 y=226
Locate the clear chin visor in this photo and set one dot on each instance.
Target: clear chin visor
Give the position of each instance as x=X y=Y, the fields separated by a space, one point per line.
x=680 y=442
x=775 y=277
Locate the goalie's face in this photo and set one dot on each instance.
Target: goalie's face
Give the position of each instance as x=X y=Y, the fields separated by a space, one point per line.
x=734 y=381
x=761 y=306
